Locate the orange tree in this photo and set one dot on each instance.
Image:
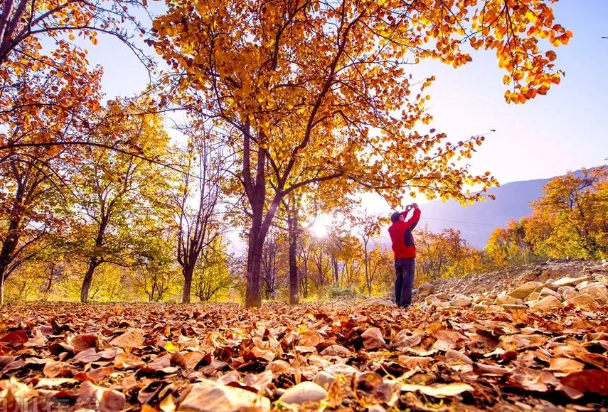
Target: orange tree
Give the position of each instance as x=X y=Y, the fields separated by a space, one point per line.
x=508 y=245
x=39 y=36
x=39 y=106
x=322 y=86
x=24 y=23
x=571 y=218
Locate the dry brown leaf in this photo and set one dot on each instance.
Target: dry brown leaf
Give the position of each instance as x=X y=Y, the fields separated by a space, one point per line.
x=133 y=338
x=590 y=381
x=565 y=365
x=372 y=339
x=83 y=342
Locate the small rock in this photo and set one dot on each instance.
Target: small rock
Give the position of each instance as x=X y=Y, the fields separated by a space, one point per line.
x=534 y=296
x=567 y=292
x=583 y=300
x=512 y=306
x=582 y=285
x=548 y=292
x=546 y=303
x=598 y=291
x=430 y=300
x=442 y=305
x=525 y=290
x=507 y=300
x=495 y=308
x=460 y=301
x=567 y=281
x=425 y=290
x=442 y=296
x=304 y=392
x=479 y=308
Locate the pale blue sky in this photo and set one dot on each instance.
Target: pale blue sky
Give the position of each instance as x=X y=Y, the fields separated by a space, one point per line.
x=565 y=130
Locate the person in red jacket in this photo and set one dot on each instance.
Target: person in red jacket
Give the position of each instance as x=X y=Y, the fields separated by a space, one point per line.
x=405 y=253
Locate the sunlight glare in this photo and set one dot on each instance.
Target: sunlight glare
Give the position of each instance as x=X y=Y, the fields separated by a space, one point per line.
x=319 y=229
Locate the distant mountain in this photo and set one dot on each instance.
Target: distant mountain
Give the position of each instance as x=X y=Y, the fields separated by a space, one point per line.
x=477 y=222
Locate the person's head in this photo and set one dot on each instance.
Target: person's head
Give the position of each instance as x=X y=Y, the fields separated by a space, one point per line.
x=395 y=217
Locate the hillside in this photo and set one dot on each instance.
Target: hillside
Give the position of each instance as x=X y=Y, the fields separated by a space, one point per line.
x=478 y=221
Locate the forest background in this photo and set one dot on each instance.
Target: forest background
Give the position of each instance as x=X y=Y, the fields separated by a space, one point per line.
x=141 y=194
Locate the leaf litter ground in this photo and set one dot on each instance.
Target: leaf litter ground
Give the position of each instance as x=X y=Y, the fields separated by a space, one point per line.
x=351 y=355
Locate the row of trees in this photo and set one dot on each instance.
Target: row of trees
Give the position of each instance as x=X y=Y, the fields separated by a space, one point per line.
x=291 y=108
x=570 y=220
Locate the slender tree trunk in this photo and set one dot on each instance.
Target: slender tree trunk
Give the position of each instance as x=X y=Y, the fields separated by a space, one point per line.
x=49 y=285
x=188 y=272
x=367 y=274
x=305 y=285
x=2 y=270
x=88 y=280
x=292 y=223
x=3 y=267
x=334 y=262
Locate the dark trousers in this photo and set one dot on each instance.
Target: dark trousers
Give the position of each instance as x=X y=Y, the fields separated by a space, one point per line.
x=405 y=281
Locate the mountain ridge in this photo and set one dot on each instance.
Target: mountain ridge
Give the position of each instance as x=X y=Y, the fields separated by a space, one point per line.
x=476 y=222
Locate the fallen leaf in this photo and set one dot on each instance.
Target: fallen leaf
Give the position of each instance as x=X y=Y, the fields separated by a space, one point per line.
x=372 y=339
x=588 y=381
x=14 y=338
x=439 y=391
x=83 y=342
x=132 y=338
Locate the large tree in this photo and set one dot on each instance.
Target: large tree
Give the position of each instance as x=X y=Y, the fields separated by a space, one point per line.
x=118 y=197
x=571 y=218
x=323 y=87
x=39 y=106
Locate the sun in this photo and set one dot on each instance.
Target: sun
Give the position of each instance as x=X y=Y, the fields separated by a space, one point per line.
x=319 y=229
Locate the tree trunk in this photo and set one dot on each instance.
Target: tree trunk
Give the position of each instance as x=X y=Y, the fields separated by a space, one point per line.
x=6 y=255
x=292 y=223
x=253 y=298
x=367 y=274
x=88 y=280
x=305 y=284
x=49 y=285
x=255 y=247
x=188 y=272
x=2 y=286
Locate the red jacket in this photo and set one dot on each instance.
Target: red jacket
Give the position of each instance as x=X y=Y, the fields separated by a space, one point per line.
x=401 y=236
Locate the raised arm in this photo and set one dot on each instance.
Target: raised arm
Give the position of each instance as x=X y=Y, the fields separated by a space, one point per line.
x=413 y=221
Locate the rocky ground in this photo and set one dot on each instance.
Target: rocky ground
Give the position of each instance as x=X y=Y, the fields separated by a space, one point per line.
x=553 y=284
